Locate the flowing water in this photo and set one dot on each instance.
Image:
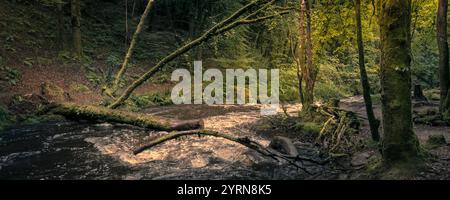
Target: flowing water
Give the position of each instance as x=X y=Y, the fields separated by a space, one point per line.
x=83 y=150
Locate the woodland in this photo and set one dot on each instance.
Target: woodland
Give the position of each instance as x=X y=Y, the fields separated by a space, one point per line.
x=85 y=89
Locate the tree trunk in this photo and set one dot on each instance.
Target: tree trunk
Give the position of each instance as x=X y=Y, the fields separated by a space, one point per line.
x=76 y=28
x=95 y=113
x=418 y=93
x=441 y=29
x=309 y=71
x=400 y=144
x=229 y=23
x=301 y=65
x=60 y=26
x=373 y=122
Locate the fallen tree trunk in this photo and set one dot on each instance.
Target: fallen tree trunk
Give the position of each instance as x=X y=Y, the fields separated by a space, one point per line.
x=95 y=113
x=241 y=140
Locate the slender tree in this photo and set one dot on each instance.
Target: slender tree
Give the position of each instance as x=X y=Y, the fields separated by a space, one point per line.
x=309 y=71
x=441 y=29
x=373 y=122
x=301 y=54
x=76 y=27
x=131 y=47
x=400 y=145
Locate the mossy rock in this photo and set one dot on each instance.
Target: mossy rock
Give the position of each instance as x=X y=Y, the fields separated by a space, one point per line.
x=53 y=92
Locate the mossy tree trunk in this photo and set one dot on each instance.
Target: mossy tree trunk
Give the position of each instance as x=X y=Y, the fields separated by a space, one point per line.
x=400 y=145
x=76 y=27
x=441 y=29
x=96 y=113
x=373 y=122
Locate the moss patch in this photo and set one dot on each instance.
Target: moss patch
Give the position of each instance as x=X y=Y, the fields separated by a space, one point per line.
x=309 y=128
x=5 y=119
x=79 y=88
x=435 y=141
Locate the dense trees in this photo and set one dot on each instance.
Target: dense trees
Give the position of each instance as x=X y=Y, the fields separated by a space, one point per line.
x=300 y=37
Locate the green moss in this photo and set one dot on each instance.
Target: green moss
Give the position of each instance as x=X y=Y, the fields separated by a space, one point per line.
x=52 y=91
x=376 y=98
x=309 y=127
x=79 y=88
x=151 y=99
x=435 y=141
x=5 y=119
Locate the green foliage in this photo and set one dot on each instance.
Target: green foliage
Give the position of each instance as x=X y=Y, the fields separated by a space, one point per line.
x=7 y=74
x=152 y=99
x=5 y=120
x=435 y=141
x=79 y=88
x=310 y=128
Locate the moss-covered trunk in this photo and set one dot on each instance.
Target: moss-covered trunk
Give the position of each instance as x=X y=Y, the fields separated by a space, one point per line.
x=94 y=113
x=400 y=145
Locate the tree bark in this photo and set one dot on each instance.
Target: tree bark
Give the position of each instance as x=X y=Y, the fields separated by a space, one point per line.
x=400 y=144
x=373 y=122
x=441 y=29
x=301 y=68
x=76 y=28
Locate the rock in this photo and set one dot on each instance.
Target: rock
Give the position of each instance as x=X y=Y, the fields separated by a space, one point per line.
x=283 y=145
x=52 y=92
x=360 y=159
x=199 y=163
